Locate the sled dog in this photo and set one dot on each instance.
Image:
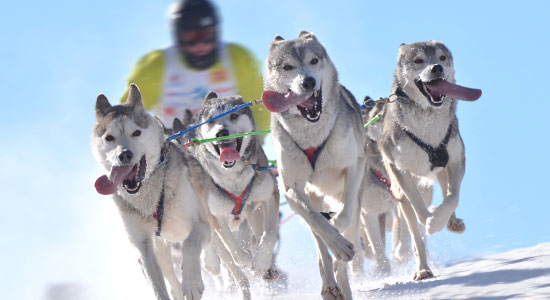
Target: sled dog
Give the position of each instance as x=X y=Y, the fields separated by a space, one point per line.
x=242 y=202
x=421 y=143
x=317 y=135
x=149 y=182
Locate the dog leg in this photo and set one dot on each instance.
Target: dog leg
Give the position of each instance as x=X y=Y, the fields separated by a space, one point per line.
x=235 y=271
x=211 y=260
x=353 y=178
x=298 y=201
x=264 y=254
x=163 y=249
x=401 y=243
x=408 y=186
x=422 y=269
x=151 y=266
x=341 y=267
x=455 y=224
x=442 y=213
x=198 y=238
x=330 y=289
x=240 y=256
x=378 y=247
x=357 y=269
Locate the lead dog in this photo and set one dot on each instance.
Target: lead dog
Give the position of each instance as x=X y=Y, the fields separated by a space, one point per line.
x=149 y=182
x=317 y=135
x=420 y=142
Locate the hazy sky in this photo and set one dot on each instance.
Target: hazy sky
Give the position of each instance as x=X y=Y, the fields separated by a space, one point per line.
x=58 y=55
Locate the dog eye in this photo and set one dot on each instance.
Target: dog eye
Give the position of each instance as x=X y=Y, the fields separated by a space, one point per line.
x=442 y=57
x=233 y=117
x=109 y=138
x=314 y=61
x=136 y=133
x=418 y=61
x=288 y=67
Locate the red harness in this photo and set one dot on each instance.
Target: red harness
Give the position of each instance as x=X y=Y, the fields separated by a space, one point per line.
x=385 y=181
x=238 y=200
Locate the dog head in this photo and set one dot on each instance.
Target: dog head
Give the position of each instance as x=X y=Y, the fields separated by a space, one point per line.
x=126 y=141
x=227 y=152
x=296 y=71
x=425 y=72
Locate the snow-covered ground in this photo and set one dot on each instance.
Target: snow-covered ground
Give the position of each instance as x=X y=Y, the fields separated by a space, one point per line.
x=517 y=274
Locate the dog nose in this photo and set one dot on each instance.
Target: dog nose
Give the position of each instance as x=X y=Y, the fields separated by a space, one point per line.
x=125 y=157
x=223 y=132
x=309 y=83
x=437 y=69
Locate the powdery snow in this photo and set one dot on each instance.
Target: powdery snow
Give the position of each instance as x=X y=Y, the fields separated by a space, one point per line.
x=517 y=274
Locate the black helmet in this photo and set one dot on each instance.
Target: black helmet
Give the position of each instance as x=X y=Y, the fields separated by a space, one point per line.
x=196 y=15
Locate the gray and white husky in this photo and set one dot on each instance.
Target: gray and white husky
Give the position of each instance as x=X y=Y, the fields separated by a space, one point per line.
x=317 y=135
x=243 y=203
x=149 y=182
x=377 y=202
x=420 y=142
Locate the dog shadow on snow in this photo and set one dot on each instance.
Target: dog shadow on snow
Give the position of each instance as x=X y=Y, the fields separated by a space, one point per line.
x=478 y=279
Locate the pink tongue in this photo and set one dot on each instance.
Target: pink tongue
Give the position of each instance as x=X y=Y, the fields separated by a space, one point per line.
x=229 y=154
x=106 y=186
x=443 y=87
x=276 y=102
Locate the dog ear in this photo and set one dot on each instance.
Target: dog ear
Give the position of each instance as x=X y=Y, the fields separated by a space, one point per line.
x=102 y=106
x=209 y=97
x=307 y=35
x=278 y=39
x=177 y=126
x=134 y=99
x=187 y=117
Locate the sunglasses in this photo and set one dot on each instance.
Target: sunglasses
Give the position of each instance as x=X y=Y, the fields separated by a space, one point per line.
x=193 y=38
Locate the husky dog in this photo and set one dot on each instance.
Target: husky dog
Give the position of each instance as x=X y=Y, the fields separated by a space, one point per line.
x=420 y=142
x=241 y=201
x=377 y=202
x=317 y=135
x=148 y=180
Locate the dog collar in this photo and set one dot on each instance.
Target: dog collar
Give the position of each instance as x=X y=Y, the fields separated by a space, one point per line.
x=239 y=201
x=439 y=157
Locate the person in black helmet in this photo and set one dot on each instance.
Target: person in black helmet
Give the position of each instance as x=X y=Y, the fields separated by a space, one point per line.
x=179 y=77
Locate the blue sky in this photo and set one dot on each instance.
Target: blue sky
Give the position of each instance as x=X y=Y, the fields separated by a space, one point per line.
x=58 y=55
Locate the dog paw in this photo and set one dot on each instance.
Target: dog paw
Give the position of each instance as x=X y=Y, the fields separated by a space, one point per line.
x=423 y=274
x=192 y=289
x=340 y=247
x=434 y=225
x=332 y=293
x=456 y=225
x=270 y=275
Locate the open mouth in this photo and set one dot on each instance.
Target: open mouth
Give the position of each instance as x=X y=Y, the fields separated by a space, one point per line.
x=434 y=98
x=435 y=90
x=132 y=182
x=312 y=108
x=228 y=151
x=130 y=177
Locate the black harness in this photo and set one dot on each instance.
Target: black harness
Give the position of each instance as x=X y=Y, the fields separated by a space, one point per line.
x=439 y=157
x=160 y=205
